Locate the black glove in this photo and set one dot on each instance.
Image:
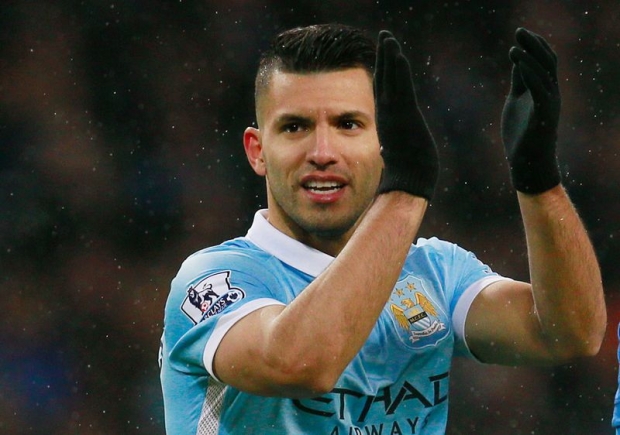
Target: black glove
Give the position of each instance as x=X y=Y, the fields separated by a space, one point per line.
x=408 y=149
x=531 y=115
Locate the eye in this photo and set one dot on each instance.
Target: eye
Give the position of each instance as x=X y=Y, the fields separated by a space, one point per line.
x=350 y=124
x=294 y=127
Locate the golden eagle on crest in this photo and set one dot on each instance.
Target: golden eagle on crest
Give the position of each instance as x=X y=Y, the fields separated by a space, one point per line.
x=403 y=315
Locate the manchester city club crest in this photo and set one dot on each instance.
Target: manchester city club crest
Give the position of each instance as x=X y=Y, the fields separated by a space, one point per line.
x=210 y=297
x=416 y=312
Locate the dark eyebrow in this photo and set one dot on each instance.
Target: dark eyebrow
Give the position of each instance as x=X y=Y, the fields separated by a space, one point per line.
x=288 y=118
x=352 y=114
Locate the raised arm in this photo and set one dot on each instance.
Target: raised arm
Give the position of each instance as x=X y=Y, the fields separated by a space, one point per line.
x=300 y=350
x=561 y=315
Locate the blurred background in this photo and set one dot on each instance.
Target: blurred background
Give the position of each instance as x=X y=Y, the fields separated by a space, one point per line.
x=121 y=154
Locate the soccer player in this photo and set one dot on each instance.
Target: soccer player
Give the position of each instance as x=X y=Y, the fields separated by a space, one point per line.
x=616 y=417
x=329 y=317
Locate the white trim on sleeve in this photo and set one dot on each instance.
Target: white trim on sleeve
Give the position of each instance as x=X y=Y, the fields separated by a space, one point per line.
x=226 y=322
x=462 y=309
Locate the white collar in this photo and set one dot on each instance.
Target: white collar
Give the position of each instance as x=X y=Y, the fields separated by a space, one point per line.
x=285 y=248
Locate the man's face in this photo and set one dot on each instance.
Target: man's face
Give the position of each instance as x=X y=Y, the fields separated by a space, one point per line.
x=319 y=150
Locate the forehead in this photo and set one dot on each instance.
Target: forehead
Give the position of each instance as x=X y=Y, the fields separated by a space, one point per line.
x=333 y=91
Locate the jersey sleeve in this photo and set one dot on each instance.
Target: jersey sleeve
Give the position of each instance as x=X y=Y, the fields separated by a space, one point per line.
x=465 y=276
x=211 y=292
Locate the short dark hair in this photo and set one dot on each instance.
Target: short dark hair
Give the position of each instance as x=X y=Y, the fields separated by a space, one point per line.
x=316 y=48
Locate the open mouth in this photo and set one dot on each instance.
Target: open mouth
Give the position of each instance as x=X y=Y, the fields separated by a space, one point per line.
x=323 y=187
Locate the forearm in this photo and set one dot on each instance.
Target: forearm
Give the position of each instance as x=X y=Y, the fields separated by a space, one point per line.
x=564 y=272
x=332 y=318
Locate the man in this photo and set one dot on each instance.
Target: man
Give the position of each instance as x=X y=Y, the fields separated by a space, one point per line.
x=328 y=319
x=615 y=422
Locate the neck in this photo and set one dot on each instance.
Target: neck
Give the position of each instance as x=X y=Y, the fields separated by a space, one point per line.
x=328 y=242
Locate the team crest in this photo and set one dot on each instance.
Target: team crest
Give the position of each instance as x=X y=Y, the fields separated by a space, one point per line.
x=210 y=297
x=417 y=313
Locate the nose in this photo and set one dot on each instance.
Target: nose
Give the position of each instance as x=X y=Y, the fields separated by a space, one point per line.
x=323 y=152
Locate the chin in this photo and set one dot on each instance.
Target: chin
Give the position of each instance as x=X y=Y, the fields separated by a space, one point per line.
x=329 y=233
x=332 y=230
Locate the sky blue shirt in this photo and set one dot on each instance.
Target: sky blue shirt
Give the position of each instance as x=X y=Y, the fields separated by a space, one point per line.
x=397 y=383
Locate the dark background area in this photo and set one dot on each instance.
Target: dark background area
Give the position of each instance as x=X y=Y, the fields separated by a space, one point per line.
x=121 y=154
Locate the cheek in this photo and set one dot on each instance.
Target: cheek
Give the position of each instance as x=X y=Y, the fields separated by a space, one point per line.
x=372 y=161
x=377 y=170
x=369 y=172
x=277 y=169
x=283 y=158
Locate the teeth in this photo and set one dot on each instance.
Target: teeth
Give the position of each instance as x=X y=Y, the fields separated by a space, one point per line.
x=323 y=185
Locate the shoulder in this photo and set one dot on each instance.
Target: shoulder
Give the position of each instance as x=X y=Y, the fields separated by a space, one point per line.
x=437 y=244
x=238 y=254
x=231 y=272
x=455 y=264
x=237 y=260
x=434 y=247
x=433 y=243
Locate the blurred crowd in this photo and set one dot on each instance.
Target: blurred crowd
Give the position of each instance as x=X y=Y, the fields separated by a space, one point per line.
x=121 y=154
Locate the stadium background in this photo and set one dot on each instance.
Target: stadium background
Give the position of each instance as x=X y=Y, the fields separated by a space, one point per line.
x=121 y=153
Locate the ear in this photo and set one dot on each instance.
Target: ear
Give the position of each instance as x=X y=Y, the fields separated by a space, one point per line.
x=254 y=150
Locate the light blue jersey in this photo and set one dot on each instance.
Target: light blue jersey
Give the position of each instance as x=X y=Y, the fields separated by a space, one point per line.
x=397 y=383
x=616 y=417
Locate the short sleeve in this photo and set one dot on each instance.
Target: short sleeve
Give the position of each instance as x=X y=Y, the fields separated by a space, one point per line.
x=212 y=292
x=463 y=276
x=474 y=277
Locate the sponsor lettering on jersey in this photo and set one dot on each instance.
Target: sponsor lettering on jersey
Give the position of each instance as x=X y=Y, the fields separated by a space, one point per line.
x=409 y=426
x=210 y=296
x=340 y=401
